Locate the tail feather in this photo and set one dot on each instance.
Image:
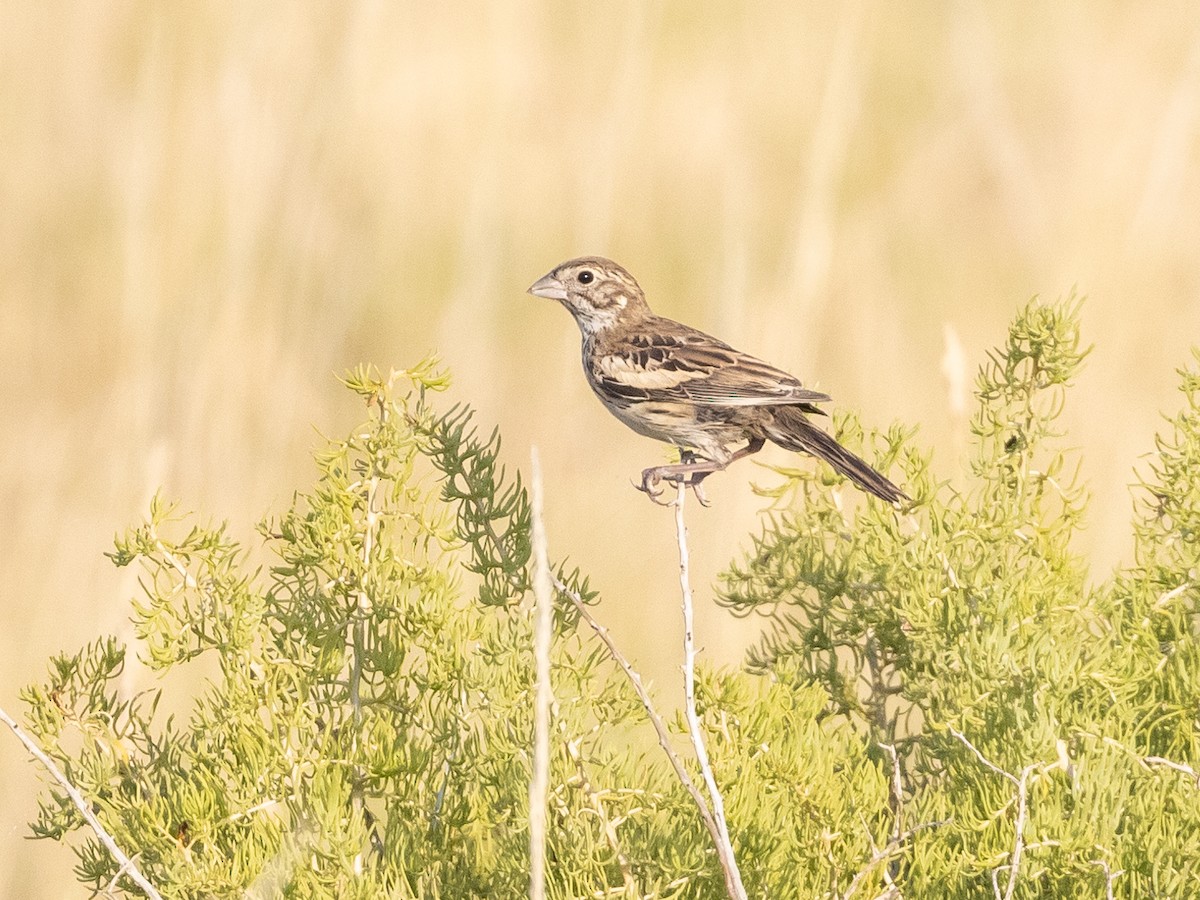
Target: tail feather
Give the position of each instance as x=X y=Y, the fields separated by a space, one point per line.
x=792 y=431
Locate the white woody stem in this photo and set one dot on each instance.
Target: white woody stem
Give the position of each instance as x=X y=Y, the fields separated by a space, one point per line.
x=733 y=877
x=660 y=727
x=718 y=831
x=127 y=865
x=1022 y=786
x=539 y=784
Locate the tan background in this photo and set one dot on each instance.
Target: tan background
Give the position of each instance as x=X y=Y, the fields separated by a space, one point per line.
x=206 y=210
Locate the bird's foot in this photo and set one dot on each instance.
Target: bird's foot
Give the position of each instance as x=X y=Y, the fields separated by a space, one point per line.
x=650 y=479
x=689 y=458
x=655 y=475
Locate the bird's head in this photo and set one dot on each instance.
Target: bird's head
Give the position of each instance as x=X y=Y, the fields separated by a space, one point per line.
x=596 y=291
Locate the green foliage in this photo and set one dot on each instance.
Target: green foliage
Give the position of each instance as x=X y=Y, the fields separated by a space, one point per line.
x=361 y=719
x=943 y=704
x=968 y=620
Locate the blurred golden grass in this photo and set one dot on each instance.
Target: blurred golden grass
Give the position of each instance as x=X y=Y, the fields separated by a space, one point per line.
x=208 y=209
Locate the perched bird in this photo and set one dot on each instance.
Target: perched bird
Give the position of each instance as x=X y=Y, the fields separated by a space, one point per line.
x=679 y=385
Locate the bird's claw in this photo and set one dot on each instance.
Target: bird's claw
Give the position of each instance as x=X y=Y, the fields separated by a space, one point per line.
x=650 y=478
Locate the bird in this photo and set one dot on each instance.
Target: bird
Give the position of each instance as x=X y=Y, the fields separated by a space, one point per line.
x=673 y=383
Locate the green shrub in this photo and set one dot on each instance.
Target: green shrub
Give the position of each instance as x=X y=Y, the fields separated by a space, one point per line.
x=943 y=704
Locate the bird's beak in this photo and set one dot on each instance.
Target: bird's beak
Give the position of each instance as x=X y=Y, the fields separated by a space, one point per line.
x=550 y=287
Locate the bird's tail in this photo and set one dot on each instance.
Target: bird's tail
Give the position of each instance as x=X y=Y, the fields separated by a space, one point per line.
x=791 y=430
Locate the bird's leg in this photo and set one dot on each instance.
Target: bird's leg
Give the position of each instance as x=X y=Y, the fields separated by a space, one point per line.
x=754 y=446
x=692 y=469
x=689 y=456
x=677 y=473
x=690 y=473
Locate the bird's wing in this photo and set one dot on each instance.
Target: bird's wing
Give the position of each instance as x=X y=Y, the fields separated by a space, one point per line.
x=682 y=364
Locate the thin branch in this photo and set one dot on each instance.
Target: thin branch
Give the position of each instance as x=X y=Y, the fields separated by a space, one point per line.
x=126 y=863
x=539 y=784
x=983 y=759
x=897 y=804
x=1149 y=761
x=189 y=579
x=1022 y=785
x=733 y=877
x=358 y=646
x=897 y=790
x=112 y=883
x=1170 y=595
x=1174 y=766
x=899 y=837
x=1019 y=828
x=629 y=886
x=886 y=852
x=258 y=807
x=660 y=727
x=1109 y=877
x=718 y=832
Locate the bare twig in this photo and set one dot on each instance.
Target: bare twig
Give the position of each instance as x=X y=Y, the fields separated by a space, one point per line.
x=358 y=646
x=996 y=882
x=884 y=853
x=1149 y=761
x=256 y=808
x=897 y=790
x=539 y=784
x=718 y=832
x=983 y=759
x=112 y=882
x=189 y=580
x=126 y=863
x=1022 y=785
x=1019 y=828
x=897 y=804
x=629 y=886
x=660 y=727
x=1174 y=766
x=733 y=877
x=899 y=837
x=1109 y=877
x=1170 y=595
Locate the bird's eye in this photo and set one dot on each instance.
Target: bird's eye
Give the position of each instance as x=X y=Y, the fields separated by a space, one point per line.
x=585 y=277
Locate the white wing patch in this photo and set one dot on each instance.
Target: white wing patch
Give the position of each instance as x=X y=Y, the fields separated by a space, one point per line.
x=619 y=369
x=726 y=400
x=755 y=395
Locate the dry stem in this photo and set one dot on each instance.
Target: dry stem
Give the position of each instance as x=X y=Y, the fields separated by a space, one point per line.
x=733 y=877
x=539 y=784
x=660 y=727
x=127 y=865
x=1022 y=785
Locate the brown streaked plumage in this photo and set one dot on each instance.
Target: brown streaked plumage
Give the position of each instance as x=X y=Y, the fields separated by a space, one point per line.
x=676 y=384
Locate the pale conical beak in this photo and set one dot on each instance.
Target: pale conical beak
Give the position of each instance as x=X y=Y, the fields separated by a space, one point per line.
x=550 y=287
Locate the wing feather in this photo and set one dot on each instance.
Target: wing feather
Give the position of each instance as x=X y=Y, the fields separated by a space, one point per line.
x=679 y=363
